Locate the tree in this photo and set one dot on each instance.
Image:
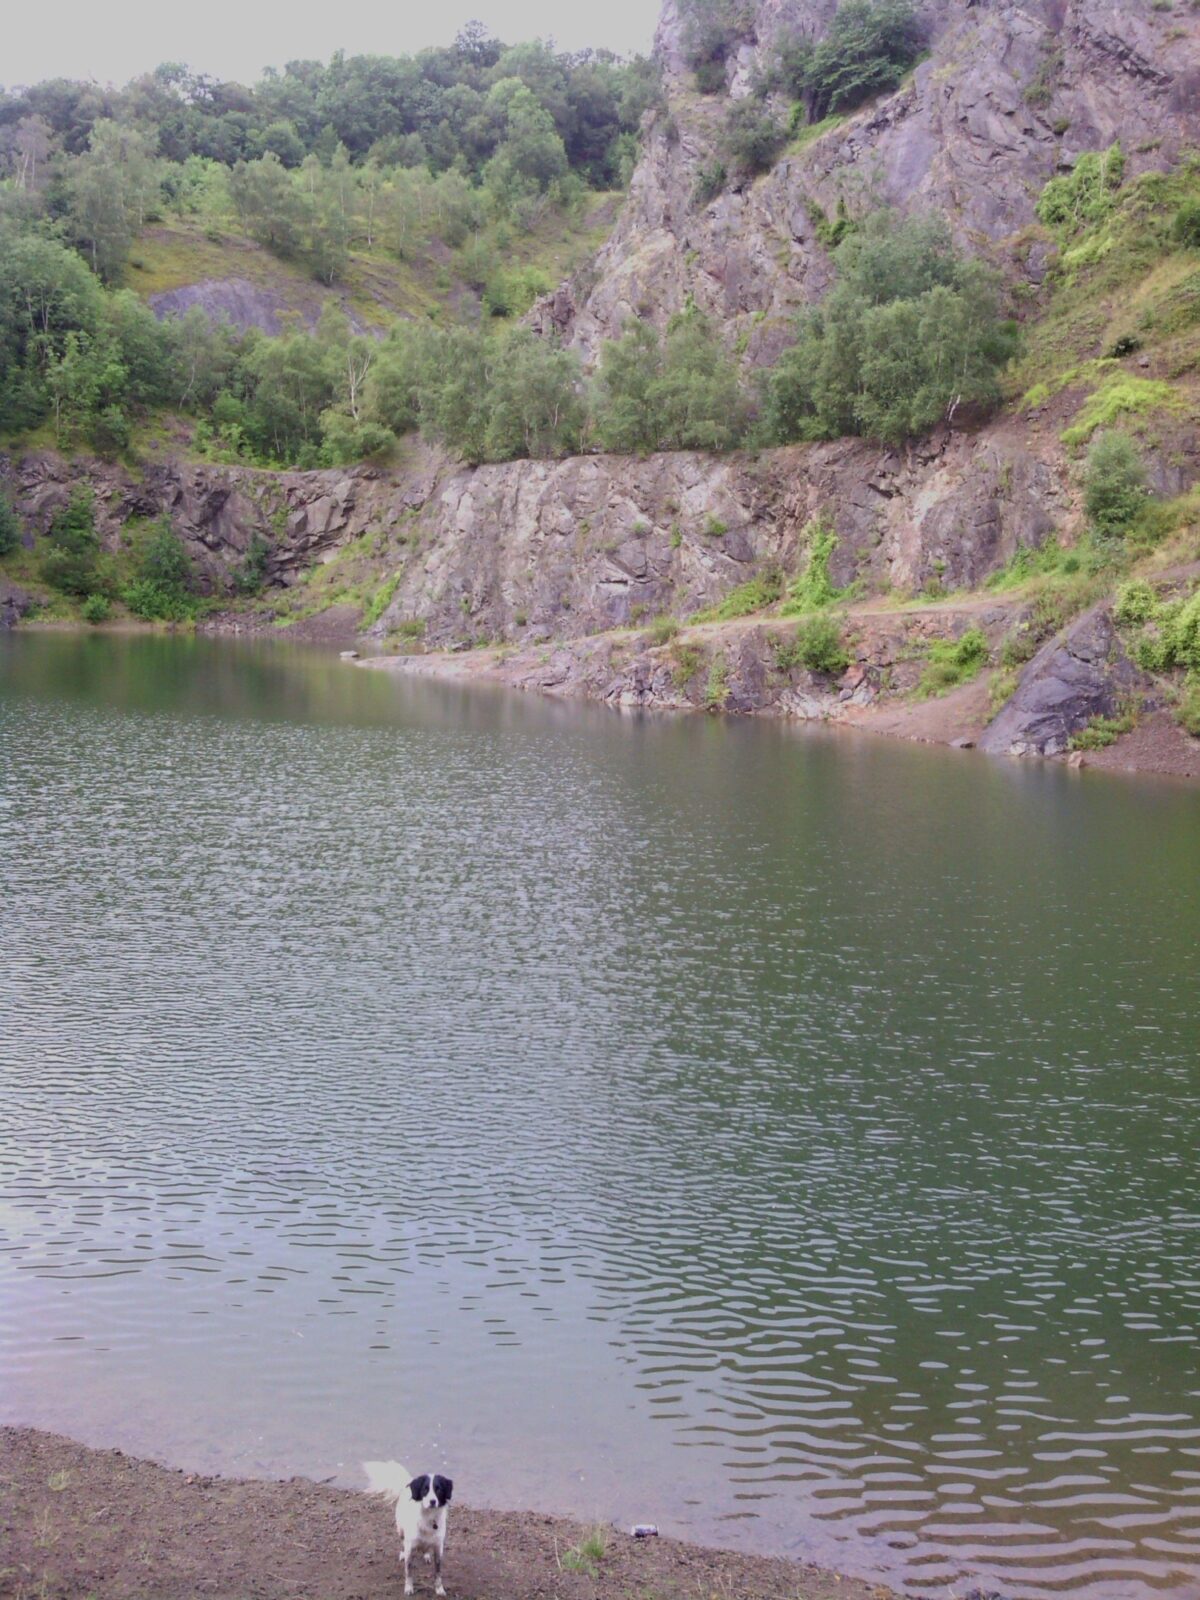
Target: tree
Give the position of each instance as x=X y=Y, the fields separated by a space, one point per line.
x=868 y=48
x=698 y=395
x=1114 y=483
x=267 y=205
x=624 y=403
x=535 y=404
x=72 y=545
x=113 y=186
x=909 y=333
x=10 y=527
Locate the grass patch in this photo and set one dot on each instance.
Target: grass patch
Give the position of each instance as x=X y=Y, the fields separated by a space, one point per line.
x=749 y=597
x=1121 y=395
x=380 y=600
x=587 y=1555
x=1102 y=731
x=685 y=664
x=952 y=662
x=662 y=630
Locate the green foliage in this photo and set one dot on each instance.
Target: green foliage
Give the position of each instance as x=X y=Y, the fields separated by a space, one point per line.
x=1040 y=89
x=380 y=600
x=751 y=138
x=1185 y=229
x=1084 y=195
x=1100 y=732
x=1135 y=602
x=1188 y=709
x=677 y=393
x=587 y=1555
x=814 y=588
x=952 y=662
x=662 y=630
x=10 y=527
x=711 y=178
x=1114 y=484
x=747 y=598
x=96 y=608
x=712 y=28
x=685 y=664
x=908 y=334
x=869 y=46
x=1173 y=638
x=1120 y=395
x=72 y=546
x=716 y=687
x=819 y=646
x=162 y=588
x=251 y=573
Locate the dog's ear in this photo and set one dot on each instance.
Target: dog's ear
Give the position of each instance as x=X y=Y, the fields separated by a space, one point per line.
x=419 y=1487
x=443 y=1488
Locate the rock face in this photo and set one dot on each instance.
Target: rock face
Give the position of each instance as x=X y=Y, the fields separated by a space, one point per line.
x=529 y=549
x=244 y=305
x=1009 y=94
x=1084 y=673
x=14 y=603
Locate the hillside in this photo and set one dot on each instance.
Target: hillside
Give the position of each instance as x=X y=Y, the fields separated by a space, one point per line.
x=1059 y=147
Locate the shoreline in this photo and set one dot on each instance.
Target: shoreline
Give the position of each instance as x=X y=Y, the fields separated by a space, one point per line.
x=78 y=1523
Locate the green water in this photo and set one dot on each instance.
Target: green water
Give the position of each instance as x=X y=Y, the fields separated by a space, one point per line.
x=783 y=1137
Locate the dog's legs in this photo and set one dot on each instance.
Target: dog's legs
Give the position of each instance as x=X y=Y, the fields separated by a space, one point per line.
x=404 y=1554
x=437 y=1569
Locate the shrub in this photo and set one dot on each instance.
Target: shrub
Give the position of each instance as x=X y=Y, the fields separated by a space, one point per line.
x=868 y=48
x=72 y=546
x=1188 y=709
x=10 y=527
x=95 y=608
x=1114 y=483
x=814 y=588
x=1102 y=731
x=163 y=585
x=153 y=602
x=251 y=573
x=685 y=665
x=1085 y=194
x=1136 y=602
x=662 y=630
x=908 y=334
x=751 y=138
x=820 y=647
x=746 y=598
x=953 y=661
x=380 y=600
x=1185 y=230
x=716 y=689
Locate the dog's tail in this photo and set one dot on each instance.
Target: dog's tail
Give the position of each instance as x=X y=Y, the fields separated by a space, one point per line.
x=387 y=1478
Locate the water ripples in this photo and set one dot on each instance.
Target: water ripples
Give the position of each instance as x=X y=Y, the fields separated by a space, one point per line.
x=789 y=1139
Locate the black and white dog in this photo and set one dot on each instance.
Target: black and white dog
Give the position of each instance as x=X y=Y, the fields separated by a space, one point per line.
x=420 y=1512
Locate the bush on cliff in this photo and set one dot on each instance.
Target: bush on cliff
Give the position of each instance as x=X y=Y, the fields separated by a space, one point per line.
x=909 y=333
x=1115 y=490
x=10 y=528
x=72 y=546
x=869 y=46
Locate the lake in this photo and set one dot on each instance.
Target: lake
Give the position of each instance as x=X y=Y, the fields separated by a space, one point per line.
x=786 y=1137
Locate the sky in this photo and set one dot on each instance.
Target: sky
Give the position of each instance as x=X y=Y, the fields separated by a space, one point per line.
x=237 y=38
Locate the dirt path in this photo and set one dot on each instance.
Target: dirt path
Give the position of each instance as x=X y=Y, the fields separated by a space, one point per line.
x=80 y=1524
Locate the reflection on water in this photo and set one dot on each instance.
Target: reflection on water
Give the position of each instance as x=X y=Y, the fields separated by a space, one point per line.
x=786 y=1139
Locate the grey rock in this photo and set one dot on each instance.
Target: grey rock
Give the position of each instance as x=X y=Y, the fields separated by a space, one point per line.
x=1081 y=674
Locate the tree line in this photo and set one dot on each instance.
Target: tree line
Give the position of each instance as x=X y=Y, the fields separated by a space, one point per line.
x=909 y=333
x=435 y=109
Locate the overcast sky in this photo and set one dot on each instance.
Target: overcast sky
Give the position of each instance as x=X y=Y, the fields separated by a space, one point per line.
x=237 y=38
